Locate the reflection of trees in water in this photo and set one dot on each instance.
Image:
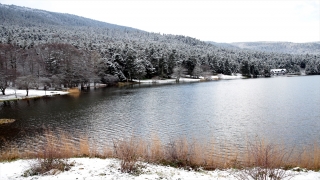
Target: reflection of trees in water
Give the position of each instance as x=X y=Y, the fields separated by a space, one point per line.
x=8 y=104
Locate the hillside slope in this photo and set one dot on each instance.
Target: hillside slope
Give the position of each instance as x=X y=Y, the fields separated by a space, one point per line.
x=281 y=47
x=13 y=15
x=73 y=50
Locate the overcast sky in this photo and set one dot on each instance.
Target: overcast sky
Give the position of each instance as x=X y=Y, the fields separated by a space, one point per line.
x=208 y=20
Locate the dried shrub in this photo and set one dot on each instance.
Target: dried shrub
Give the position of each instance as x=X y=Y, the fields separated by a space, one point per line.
x=265 y=161
x=186 y=154
x=258 y=173
x=44 y=165
x=52 y=155
x=127 y=152
x=176 y=153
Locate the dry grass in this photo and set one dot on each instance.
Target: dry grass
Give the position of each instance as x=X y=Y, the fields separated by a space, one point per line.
x=260 y=156
x=266 y=155
x=129 y=152
x=53 y=154
x=197 y=157
x=315 y=158
x=67 y=148
x=155 y=151
x=121 y=84
x=84 y=147
x=265 y=161
x=107 y=152
x=6 y=121
x=309 y=157
x=74 y=92
x=10 y=154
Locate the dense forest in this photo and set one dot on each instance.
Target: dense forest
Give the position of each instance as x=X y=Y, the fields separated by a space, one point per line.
x=44 y=48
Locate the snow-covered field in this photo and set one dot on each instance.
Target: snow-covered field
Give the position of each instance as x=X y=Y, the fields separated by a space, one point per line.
x=12 y=94
x=94 y=168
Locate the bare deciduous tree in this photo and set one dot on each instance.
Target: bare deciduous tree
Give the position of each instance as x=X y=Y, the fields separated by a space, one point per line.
x=178 y=72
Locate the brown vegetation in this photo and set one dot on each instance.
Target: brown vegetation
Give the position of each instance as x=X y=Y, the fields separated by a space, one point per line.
x=6 y=121
x=74 y=92
x=260 y=158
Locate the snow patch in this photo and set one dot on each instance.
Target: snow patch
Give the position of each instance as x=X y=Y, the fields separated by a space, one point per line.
x=12 y=94
x=94 y=168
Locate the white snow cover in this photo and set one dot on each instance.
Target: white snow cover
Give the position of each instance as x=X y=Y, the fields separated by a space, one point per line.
x=167 y=80
x=237 y=76
x=21 y=94
x=94 y=168
x=219 y=76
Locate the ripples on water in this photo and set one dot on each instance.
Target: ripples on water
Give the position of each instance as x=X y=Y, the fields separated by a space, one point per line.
x=282 y=109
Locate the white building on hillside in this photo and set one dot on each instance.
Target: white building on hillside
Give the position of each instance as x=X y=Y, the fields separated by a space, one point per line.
x=278 y=71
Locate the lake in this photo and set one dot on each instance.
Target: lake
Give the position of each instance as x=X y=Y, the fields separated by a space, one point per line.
x=281 y=109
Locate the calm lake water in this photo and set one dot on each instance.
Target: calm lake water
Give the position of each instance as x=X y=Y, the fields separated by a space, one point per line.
x=285 y=109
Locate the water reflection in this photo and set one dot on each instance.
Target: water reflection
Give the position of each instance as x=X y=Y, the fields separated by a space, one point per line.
x=233 y=111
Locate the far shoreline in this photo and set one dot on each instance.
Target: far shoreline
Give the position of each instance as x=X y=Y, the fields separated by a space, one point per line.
x=20 y=94
x=189 y=79
x=14 y=95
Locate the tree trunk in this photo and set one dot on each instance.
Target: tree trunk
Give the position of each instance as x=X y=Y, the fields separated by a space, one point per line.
x=3 y=91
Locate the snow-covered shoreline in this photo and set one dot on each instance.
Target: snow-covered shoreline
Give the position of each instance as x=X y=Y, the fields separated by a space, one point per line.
x=217 y=77
x=95 y=168
x=18 y=94
x=11 y=94
x=150 y=81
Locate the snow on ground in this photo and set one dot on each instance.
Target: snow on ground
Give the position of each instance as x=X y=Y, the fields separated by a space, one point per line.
x=219 y=76
x=12 y=94
x=167 y=80
x=237 y=76
x=94 y=168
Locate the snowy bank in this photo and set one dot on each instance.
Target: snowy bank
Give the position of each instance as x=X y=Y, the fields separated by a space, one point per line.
x=12 y=94
x=94 y=168
x=166 y=81
x=228 y=77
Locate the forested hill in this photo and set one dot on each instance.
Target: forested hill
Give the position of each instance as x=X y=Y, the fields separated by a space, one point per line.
x=23 y=16
x=281 y=47
x=273 y=47
x=224 y=45
x=38 y=47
